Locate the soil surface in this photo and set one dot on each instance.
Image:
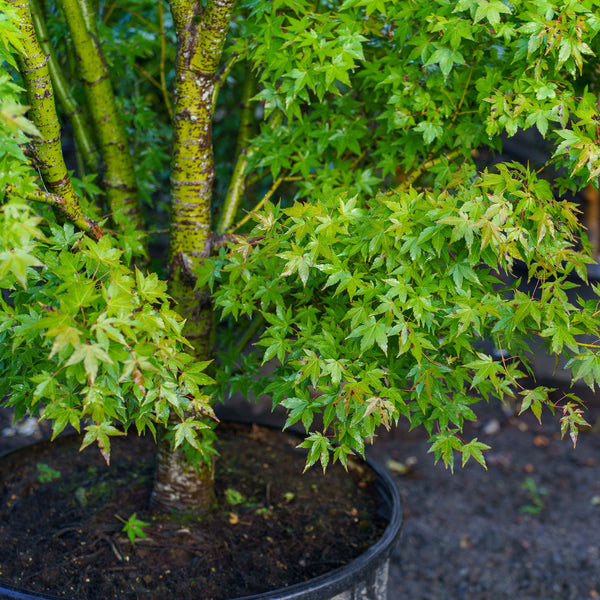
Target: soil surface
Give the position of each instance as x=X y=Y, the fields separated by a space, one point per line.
x=62 y=514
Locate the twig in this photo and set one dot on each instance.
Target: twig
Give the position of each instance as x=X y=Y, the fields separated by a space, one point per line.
x=254 y=327
x=70 y=211
x=237 y=185
x=222 y=76
x=163 y=83
x=266 y=197
x=425 y=166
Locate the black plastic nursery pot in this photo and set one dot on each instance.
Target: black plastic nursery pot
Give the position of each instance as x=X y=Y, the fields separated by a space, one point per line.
x=363 y=578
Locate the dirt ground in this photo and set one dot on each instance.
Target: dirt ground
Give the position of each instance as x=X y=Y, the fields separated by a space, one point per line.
x=528 y=528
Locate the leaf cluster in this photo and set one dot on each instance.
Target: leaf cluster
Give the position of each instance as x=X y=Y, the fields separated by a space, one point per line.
x=379 y=284
x=360 y=93
x=84 y=339
x=378 y=309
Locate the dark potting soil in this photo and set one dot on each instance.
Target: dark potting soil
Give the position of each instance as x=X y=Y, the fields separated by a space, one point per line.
x=528 y=528
x=273 y=526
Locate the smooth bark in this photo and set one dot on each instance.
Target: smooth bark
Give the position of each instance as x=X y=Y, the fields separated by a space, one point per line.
x=119 y=175
x=46 y=150
x=201 y=36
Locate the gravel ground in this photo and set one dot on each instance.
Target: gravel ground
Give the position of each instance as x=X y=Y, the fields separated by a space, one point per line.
x=528 y=528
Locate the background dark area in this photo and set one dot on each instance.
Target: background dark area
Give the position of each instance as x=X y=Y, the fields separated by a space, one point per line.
x=528 y=528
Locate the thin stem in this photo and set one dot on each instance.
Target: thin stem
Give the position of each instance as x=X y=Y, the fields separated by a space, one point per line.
x=151 y=26
x=250 y=332
x=356 y=162
x=425 y=166
x=163 y=82
x=222 y=76
x=503 y=360
x=150 y=78
x=70 y=211
x=266 y=197
x=237 y=185
x=109 y=12
x=464 y=94
x=588 y=345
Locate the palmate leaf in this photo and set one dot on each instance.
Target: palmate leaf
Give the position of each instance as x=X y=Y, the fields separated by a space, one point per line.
x=100 y=434
x=64 y=336
x=187 y=431
x=296 y=262
x=319 y=448
x=474 y=449
x=194 y=376
x=16 y=262
x=572 y=420
x=91 y=355
x=150 y=288
x=11 y=116
x=535 y=399
x=586 y=366
x=364 y=296
x=444 y=445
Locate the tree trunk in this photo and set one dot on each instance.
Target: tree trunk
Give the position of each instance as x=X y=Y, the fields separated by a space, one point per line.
x=201 y=35
x=179 y=485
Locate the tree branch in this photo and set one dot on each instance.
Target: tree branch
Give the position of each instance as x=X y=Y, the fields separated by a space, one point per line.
x=222 y=76
x=48 y=157
x=83 y=136
x=119 y=176
x=266 y=197
x=68 y=210
x=237 y=184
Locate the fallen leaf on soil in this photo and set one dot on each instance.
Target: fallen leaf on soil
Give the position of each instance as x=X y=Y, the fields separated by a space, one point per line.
x=401 y=468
